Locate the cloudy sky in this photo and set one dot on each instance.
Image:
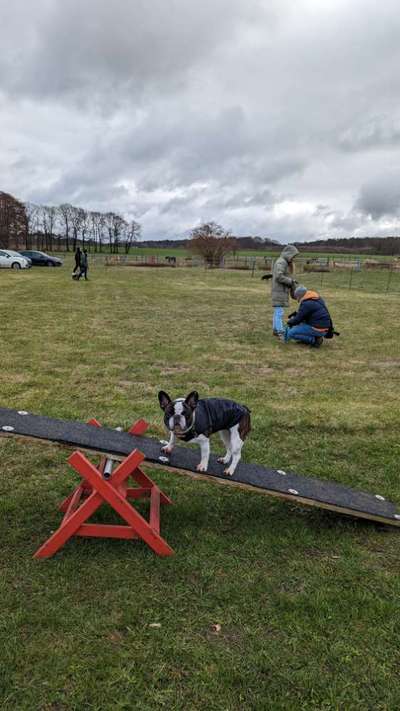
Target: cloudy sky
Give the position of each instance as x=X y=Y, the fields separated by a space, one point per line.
x=272 y=117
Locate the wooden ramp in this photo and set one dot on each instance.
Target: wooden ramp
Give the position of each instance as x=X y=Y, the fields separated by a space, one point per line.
x=275 y=482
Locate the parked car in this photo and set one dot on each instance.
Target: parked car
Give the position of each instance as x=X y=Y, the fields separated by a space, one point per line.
x=41 y=259
x=9 y=259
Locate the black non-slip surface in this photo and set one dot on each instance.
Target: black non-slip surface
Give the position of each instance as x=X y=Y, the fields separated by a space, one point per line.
x=316 y=491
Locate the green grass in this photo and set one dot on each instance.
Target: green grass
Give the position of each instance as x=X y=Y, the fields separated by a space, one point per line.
x=182 y=253
x=308 y=601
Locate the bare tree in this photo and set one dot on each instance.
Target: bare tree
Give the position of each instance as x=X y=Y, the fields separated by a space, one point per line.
x=97 y=226
x=65 y=213
x=76 y=220
x=84 y=224
x=101 y=230
x=13 y=226
x=211 y=242
x=47 y=220
x=32 y=212
x=108 y=223
x=42 y=226
x=115 y=225
x=132 y=234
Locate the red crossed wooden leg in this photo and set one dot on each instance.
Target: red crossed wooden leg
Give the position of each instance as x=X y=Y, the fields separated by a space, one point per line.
x=105 y=490
x=149 y=488
x=139 y=427
x=155 y=509
x=144 y=481
x=86 y=488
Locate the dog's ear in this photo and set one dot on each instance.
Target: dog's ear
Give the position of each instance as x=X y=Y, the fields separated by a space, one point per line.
x=163 y=399
x=192 y=399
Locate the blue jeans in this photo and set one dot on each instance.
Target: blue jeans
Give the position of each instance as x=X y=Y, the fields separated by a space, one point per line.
x=277 y=320
x=303 y=332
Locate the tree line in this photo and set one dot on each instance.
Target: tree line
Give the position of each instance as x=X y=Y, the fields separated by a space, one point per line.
x=49 y=227
x=389 y=246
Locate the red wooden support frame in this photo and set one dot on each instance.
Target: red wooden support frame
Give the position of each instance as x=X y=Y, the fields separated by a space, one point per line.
x=95 y=490
x=138 y=428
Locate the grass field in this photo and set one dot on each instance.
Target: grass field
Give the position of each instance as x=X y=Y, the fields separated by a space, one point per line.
x=308 y=602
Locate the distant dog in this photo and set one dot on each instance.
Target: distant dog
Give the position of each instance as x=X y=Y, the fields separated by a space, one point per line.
x=194 y=420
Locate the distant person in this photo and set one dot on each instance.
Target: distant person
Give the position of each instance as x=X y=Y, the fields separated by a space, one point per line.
x=312 y=322
x=283 y=284
x=78 y=255
x=84 y=265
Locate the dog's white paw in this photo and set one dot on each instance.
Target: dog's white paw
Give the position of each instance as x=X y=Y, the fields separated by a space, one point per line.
x=201 y=467
x=228 y=472
x=223 y=460
x=166 y=449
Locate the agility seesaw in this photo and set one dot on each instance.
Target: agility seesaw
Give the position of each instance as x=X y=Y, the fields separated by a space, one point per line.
x=103 y=484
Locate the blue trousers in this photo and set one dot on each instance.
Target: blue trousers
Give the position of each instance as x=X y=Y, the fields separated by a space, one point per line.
x=303 y=332
x=277 y=320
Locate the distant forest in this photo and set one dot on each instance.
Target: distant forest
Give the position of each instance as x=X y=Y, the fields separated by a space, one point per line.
x=351 y=245
x=366 y=245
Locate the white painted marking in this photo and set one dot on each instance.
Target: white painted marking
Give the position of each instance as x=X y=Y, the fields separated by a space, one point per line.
x=7 y=428
x=164 y=459
x=23 y=412
x=397 y=517
x=293 y=491
x=178 y=407
x=381 y=498
x=280 y=471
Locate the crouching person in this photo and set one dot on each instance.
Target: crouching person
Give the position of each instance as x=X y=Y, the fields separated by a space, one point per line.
x=312 y=322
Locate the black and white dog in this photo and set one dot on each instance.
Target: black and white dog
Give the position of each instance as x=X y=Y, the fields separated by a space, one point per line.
x=194 y=420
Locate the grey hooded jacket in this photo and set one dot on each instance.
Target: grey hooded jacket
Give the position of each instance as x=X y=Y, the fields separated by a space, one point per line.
x=282 y=280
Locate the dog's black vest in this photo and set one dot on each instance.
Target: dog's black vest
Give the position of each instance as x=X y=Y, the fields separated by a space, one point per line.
x=213 y=415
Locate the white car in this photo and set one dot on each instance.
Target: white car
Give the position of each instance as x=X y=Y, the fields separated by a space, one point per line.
x=9 y=259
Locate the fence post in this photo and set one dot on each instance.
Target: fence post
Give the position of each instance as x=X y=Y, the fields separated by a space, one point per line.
x=351 y=277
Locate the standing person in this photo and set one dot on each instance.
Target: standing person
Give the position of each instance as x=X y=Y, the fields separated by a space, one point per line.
x=84 y=265
x=312 y=322
x=77 y=266
x=282 y=284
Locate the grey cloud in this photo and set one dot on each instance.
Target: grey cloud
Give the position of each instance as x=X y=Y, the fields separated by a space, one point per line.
x=267 y=116
x=380 y=196
x=371 y=132
x=101 y=51
x=176 y=153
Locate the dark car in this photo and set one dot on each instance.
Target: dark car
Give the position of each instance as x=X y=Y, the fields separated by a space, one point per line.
x=41 y=259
